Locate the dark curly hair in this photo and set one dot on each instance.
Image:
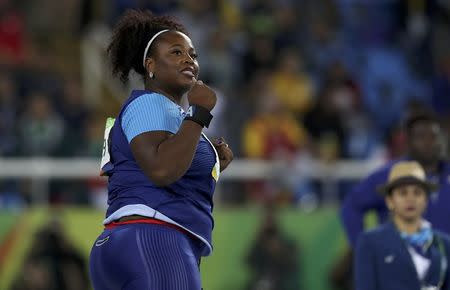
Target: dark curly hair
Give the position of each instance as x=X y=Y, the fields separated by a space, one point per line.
x=130 y=37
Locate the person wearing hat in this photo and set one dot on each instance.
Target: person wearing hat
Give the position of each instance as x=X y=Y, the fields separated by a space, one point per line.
x=426 y=142
x=405 y=252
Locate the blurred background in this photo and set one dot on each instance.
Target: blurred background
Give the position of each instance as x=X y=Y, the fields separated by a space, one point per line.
x=311 y=98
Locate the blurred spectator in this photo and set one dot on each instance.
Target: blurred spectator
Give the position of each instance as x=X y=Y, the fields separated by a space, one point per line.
x=397 y=140
x=325 y=124
x=338 y=74
x=273 y=257
x=53 y=263
x=259 y=56
x=41 y=128
x=272 y=133
x=291 y=83
x=361 y=140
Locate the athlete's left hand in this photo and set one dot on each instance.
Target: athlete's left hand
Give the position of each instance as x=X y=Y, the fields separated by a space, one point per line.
x=224 y=152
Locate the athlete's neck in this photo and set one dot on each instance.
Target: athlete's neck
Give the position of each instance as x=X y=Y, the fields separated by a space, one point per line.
x=176 y=98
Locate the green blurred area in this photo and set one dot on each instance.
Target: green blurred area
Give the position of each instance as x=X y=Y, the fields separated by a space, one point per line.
x=319 y=236
x=7 y=221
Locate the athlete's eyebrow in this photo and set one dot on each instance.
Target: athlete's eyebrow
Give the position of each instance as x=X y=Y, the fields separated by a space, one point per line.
x=181 y=46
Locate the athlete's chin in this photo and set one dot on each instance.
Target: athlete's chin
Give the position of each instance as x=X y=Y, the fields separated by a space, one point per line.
x=187 y=84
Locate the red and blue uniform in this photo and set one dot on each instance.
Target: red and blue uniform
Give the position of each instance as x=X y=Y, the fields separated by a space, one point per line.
x=163 y=251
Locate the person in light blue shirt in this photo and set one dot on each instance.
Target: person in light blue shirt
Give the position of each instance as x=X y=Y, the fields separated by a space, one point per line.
x=162 y=170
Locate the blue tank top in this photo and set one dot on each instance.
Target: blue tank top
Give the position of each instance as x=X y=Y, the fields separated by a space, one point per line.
x=188 y=202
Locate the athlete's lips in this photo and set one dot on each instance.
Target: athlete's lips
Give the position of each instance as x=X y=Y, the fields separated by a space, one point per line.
x=188 y=71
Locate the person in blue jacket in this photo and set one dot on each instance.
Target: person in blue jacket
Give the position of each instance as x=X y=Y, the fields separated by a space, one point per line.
x=405 y=252
x=162 y=169
x=425 y=145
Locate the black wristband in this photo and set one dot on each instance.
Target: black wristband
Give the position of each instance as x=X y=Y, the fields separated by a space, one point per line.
x=199 y=115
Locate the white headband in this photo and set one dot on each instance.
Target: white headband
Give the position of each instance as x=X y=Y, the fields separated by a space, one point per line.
x=150 y=43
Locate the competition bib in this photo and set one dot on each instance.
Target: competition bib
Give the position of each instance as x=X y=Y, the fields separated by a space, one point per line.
x=106 y=164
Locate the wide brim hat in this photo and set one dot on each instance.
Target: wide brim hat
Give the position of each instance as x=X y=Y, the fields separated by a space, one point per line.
x=407 y=172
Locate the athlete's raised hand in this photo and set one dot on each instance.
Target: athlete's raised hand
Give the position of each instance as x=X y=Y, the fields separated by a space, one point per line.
x=224 y=151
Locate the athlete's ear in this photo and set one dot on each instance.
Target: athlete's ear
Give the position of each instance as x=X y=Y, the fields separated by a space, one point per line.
x=150 y=64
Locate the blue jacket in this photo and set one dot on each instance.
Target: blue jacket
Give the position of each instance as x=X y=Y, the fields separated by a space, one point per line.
x=382 y=261
x=364 y=198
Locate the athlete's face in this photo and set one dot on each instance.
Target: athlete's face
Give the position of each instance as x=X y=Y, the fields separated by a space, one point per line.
x=174 y=62
x=407 y=202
